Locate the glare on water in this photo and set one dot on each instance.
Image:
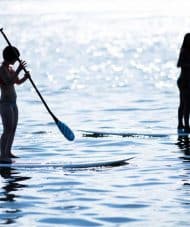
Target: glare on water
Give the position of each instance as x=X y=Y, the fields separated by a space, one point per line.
x=106 y=66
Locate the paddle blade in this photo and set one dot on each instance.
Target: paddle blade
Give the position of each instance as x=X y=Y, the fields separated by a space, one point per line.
x=66 y=131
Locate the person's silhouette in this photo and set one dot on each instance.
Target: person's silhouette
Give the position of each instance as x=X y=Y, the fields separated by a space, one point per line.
x=183 y=83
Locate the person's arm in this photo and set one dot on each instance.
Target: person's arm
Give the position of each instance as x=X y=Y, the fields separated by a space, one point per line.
x=23 y=79
x=21 y=66
x=11 y=77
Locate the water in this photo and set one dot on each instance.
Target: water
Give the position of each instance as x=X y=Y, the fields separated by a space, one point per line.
x=107 y=67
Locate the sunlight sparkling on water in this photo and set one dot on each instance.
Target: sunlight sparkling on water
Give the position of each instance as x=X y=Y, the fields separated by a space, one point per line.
x=105 y=66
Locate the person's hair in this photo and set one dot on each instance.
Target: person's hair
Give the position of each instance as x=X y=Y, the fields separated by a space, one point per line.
x=186 y=42
x=10 y=53
x=184 y=51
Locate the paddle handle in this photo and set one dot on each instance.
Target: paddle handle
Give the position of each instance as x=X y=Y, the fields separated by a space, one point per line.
x=42 y=99
x=32 y=82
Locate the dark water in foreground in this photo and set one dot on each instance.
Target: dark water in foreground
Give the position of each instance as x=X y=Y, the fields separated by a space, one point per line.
x=106 y=71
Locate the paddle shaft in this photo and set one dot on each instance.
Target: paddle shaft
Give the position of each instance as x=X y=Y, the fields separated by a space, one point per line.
x=32 y=82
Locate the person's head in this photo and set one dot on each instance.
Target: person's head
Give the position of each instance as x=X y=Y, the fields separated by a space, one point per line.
x=10 y=54
x=186 y=41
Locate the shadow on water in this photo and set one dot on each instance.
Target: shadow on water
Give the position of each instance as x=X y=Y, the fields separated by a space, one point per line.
x=12 y=182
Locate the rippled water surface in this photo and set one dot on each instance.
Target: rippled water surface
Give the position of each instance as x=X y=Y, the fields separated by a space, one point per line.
x=106 y=67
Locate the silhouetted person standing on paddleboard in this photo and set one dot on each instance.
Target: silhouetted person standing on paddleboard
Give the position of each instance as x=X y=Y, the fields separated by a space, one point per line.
x=183 y=83
x=8 y=106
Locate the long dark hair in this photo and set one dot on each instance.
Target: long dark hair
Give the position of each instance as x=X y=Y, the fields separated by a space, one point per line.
x=186 y=42
x=184 y=51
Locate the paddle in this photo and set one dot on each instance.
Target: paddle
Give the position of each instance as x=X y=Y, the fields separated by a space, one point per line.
x=65 y=130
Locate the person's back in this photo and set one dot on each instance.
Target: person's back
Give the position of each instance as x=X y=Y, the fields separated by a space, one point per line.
x=8 y=93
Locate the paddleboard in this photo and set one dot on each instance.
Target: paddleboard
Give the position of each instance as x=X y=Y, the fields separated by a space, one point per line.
x=30 y=164
x=97 y=134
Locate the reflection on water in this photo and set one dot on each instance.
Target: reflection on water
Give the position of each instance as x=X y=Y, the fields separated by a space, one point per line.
x=12 y=182
x=97 y=70
x=184 y=144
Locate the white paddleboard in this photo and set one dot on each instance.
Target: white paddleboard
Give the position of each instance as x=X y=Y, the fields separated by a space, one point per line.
x=30 y=164
x=96 y=134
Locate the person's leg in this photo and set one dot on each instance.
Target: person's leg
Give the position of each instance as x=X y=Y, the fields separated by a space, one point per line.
x=14 y=126
x=8 y=119
x=180 y=112
x=186 y=113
